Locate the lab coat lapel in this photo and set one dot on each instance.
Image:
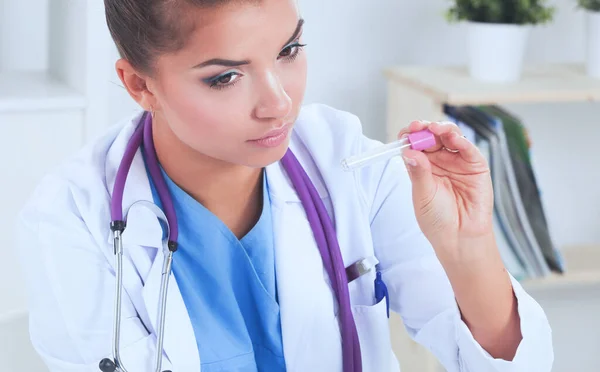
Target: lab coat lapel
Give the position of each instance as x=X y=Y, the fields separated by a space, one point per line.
x=143 y=246
x=307 y=307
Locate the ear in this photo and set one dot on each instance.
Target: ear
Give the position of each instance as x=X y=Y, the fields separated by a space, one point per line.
x=136 y=84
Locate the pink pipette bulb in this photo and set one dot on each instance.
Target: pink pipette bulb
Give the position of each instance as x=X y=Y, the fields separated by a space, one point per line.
x=419 y=141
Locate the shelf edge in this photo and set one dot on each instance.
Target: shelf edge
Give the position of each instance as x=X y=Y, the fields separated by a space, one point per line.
x=443 y=97
x=568 y=280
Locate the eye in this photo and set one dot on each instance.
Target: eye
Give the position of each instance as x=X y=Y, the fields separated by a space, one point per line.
x=226 y=79
x=291 y=51
x=223 y=80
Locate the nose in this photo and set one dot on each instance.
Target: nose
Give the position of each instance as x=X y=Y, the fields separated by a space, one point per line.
x=274 y=102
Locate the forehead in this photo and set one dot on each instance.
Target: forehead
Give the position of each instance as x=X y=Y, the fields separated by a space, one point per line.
x=237 y=28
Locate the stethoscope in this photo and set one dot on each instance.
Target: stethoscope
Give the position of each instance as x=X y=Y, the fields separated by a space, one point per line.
x=318 y=218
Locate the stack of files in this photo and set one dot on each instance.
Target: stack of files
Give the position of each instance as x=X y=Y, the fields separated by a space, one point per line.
x=519 y=221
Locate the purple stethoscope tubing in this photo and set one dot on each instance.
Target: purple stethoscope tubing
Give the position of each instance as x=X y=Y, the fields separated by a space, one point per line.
x=317 y=215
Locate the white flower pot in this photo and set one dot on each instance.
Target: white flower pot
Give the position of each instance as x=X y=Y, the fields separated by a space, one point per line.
x=593 y=44
x=496 y=51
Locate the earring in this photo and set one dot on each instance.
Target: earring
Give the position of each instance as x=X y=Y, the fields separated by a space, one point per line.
x=152 y=112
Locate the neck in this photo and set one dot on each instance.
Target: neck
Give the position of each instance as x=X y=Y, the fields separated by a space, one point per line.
x=230 y=191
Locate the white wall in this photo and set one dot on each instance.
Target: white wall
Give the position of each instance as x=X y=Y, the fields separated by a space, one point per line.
x=349 y=45
x=15 y=53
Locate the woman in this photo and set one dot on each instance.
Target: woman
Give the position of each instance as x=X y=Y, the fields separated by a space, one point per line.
x=224 y=84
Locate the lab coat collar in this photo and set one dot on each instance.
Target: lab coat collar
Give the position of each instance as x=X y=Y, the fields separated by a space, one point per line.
x=141 y=227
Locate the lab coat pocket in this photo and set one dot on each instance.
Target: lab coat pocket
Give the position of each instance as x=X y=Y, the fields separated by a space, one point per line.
x=374 y=336
x=361 y=290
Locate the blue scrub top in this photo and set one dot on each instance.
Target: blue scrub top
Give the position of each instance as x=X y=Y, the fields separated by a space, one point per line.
x=228 y=286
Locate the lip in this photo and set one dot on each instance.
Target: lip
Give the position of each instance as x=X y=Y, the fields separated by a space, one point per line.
x=274 y=133
x=273 y=138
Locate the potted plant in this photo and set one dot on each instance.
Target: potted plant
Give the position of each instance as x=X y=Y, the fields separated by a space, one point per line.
x=498 y=34
x=592 y=10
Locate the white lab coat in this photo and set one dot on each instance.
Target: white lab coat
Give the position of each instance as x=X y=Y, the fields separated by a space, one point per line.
x=66 y=250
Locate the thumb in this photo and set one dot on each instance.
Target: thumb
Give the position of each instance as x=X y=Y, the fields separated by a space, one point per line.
x=419 y=170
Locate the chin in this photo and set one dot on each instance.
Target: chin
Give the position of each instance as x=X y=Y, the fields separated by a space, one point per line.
x=264 y=157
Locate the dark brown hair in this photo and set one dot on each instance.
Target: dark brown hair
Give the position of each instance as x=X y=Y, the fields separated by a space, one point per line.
x=143 y=29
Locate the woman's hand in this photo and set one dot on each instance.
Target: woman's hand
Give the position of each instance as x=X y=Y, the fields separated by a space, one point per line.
x=454 y=200
x=452 y=188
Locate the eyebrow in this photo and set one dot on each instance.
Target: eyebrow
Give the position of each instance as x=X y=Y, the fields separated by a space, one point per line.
x=296 y=32
x=232 y=63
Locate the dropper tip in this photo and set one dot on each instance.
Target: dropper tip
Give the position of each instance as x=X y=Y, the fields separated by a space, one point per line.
x=345 y=166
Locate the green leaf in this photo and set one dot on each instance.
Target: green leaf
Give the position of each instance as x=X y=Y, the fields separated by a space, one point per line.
x=502 y=11
x=593 y=5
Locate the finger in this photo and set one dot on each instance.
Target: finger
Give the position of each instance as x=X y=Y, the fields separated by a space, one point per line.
x=442 y=127
x=419 y=170
x=467 y=150
x=414 y=126
x=439 y=129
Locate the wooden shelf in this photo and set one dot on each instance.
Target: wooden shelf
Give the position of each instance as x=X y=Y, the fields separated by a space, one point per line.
x=34 y=91
x=583 y=269
x=453 y=85
x=567 y=281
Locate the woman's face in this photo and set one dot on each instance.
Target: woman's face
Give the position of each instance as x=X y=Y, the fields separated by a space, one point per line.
x=235 y=90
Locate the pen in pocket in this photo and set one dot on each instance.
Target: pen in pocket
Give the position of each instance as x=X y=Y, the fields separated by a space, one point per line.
x=381 y=291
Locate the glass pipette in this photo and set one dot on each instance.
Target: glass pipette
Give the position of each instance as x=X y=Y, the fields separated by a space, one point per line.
x=419 y=141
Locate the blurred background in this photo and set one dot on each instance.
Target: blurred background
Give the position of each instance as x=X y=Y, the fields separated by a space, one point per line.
x=527 y=92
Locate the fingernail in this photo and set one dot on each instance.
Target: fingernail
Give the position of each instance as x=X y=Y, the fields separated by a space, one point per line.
x=409 y=161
